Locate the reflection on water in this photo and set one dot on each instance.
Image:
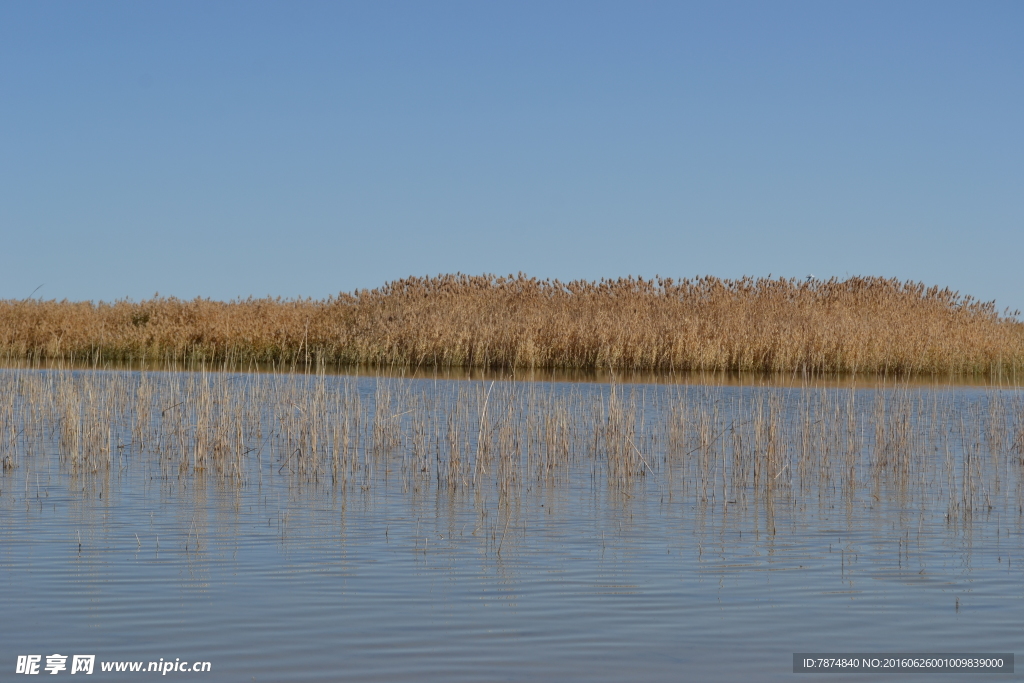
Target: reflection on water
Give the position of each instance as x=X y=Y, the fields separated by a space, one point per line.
x=290 y=527
x=999 y=378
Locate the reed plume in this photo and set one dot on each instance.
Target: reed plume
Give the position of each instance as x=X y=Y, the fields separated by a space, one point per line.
x=861 y=324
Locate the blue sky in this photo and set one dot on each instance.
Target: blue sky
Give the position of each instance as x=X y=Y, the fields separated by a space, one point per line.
x=302 y=149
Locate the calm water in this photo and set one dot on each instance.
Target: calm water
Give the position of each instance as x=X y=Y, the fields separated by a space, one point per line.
x=394 y=575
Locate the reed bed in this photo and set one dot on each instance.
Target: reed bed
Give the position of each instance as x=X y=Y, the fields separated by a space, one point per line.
x=857 y=325
x=707 y=446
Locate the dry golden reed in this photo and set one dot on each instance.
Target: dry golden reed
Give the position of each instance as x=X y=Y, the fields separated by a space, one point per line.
x=863 y=325
x=705 y=445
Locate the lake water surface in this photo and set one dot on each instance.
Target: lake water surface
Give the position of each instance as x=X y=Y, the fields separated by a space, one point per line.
x=482 y=531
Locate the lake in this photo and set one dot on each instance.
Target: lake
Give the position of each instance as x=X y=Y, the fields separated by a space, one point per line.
x=321 y=528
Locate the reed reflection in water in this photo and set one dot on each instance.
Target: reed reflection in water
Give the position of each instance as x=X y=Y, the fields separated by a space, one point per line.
x=624 y=530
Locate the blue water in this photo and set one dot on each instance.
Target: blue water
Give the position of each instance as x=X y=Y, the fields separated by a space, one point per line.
x=578 y=579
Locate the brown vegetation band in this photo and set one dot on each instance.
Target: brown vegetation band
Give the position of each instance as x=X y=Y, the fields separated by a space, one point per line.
x=868 y=325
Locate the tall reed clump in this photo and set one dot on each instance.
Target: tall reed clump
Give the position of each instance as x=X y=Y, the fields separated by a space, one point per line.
x=862 y=324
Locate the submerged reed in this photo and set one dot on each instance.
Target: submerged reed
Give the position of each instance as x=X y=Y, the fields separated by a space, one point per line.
x=858 y=325
x=710 y=446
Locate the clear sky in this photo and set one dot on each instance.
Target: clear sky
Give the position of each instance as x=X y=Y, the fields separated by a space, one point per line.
x=225 y=149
